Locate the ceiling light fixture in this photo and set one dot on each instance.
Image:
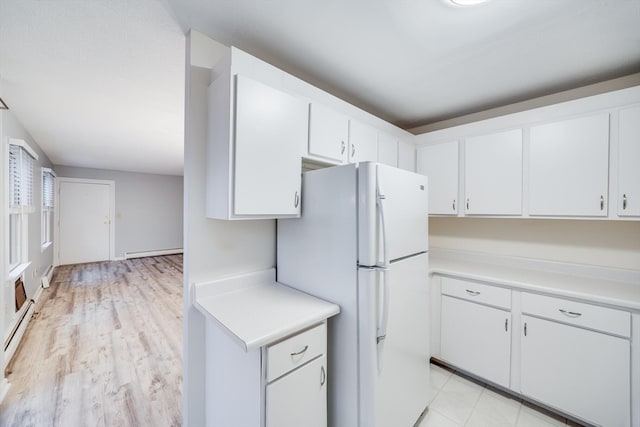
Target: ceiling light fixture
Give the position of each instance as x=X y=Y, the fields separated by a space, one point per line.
x=467 y=2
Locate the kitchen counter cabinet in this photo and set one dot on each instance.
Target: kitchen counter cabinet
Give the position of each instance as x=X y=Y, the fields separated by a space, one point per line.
x=628 y=196
x=266 y=346
x=569 y=167
x=493 y=174
x=328 y=134
x=363 y=142
x=439 y=162
x=572 y=331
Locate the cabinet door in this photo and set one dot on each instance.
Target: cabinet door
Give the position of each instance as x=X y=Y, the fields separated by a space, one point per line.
x=363 y=142
x=493 y=174
x=406 y=156
x=440 y=163
x=628 y=200
x=569 y=167
x=269 y=128
x=477 y=339
x=387 y=150
x=299 y=398
x=328 y=133
x=581 y=372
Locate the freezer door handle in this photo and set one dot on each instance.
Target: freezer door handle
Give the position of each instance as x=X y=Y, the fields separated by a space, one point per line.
x=383 y=315
x=380 y=198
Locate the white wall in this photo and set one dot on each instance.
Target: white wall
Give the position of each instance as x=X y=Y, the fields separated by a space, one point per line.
x=212 y=248
x=148 y=208
x=10 y=127
x=605 y=243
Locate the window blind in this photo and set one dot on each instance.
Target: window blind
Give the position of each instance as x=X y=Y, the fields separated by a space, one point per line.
x=20 y=177
x=47 y=189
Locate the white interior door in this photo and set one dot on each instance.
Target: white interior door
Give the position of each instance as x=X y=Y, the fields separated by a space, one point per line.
x=84 y=232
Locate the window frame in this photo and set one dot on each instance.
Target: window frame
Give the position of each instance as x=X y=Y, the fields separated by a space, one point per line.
x=47 y=211
x=17 y=259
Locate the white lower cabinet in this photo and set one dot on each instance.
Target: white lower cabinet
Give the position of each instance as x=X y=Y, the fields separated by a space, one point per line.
x=299 y=398
x=476 y=338
x=573 y=356
x=583 y=372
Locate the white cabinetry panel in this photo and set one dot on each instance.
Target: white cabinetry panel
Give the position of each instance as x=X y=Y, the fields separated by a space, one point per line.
x=493 y=174
x=363 y=142
x=406 y=156
x=628 y=198
x=581 y=372
x=328 y=133
x=299 y=398
x=569 y=167
x=476 y=338
x=439 y=162
x=387 y=150
x=270 y=125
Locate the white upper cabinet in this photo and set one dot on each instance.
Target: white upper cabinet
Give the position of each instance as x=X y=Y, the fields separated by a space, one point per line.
x=255 y=137
x=387 y=149
x=328 y=134
x=569 y=167
x=363 y=142
x=406 y=156
x=439 y=162
x=493 y=174
x=628 y=195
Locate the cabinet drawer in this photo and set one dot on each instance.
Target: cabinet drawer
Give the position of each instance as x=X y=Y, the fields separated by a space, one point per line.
x=590 y=316
x=295 y=351
x=477 y=292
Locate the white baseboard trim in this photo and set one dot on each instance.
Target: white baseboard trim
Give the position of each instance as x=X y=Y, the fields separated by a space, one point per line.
x=142 y=254
x=48 y=275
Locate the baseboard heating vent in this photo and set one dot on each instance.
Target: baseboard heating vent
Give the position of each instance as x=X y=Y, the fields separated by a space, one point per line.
x=160 y=252
x=46 y=278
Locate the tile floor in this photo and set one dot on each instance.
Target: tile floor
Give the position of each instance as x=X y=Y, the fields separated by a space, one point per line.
x=456 y=401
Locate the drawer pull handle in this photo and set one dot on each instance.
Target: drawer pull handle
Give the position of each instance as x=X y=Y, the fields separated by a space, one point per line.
x=298 y=353
x=525 y=329
x=601 y=203
x=569 y=313
x=343 y=147
x=624 y=201
x=506 y=325
x=323 y=376
x=472 y=293
x=454 y=205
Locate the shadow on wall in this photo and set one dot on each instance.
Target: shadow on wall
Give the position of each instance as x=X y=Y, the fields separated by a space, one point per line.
x=595 y=242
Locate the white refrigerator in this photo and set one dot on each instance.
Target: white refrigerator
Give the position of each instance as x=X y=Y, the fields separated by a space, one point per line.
x=362 y=243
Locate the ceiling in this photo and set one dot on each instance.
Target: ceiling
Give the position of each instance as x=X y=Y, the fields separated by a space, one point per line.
x=100 y=83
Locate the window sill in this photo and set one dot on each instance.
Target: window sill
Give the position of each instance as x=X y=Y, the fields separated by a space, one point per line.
x=18 y=270
x=45 y=246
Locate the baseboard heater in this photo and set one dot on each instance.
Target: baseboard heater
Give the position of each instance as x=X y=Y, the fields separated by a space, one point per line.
x=14 y=338
x=160 y=252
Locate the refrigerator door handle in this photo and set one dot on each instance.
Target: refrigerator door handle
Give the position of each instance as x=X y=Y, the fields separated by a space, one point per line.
x=383 y=315
x=380 y=202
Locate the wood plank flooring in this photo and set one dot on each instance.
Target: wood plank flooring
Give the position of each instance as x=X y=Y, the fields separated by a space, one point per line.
x=104 y=348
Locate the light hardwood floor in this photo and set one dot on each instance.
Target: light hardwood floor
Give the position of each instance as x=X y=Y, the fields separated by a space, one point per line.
x=104 y=349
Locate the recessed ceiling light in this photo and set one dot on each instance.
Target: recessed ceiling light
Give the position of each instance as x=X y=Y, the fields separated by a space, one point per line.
x=467 y=2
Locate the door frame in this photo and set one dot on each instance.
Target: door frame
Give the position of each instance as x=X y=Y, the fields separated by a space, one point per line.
x=56 y=214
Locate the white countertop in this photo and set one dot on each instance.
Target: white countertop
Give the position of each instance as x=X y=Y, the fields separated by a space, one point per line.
x=579 y=282
x=256 y=310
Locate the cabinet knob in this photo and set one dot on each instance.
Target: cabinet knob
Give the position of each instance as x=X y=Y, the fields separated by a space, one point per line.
x=624 y=201
x=296 y=200
x=323 y=376
x=601 y=202
x=343 y=147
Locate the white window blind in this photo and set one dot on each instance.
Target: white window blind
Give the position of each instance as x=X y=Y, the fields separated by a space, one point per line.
x=47 y=189
x=20 y=177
